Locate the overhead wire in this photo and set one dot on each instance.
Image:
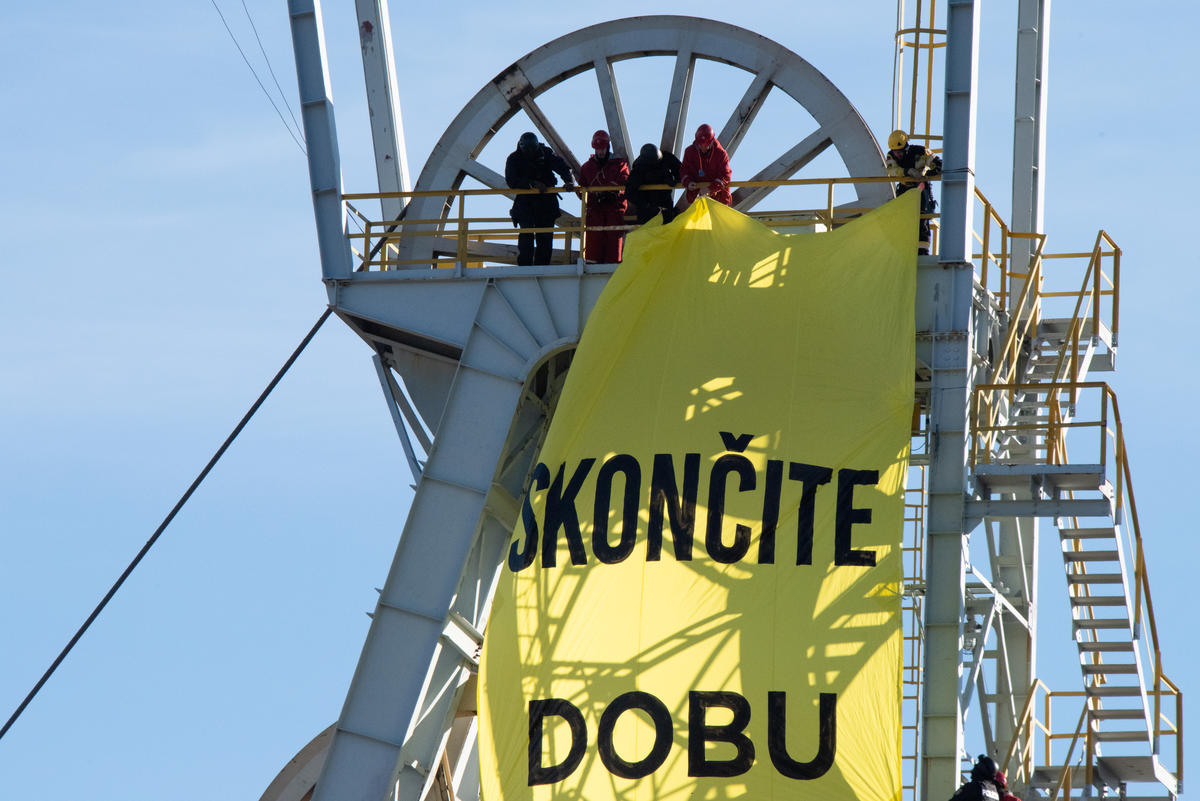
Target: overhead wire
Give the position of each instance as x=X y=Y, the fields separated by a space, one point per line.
x=166 y=522
x=267 y=59
x=259 y=80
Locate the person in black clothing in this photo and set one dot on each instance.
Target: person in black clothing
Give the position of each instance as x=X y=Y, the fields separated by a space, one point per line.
x=982 y=786
x=914 y=162
x=652 y=167
x=532 y=166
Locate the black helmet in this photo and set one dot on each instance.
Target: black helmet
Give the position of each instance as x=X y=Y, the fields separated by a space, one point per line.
x=650 y=152
x=985 y=768
x=528 y=143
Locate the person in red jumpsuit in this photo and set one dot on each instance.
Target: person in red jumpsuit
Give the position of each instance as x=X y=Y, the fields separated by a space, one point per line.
x=1002 y=786
x=604 y=209
x=706 y=161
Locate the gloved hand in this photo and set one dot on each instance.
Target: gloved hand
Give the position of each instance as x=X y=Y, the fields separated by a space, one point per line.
x=539 y=186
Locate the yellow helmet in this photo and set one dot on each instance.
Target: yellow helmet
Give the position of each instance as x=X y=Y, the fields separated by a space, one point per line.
x=897 y=139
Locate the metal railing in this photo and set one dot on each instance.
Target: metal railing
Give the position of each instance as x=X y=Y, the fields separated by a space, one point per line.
x=1093 y=308
x=460 y=240
x=1084 y=309
x=1030 y=728
x=1087 y=318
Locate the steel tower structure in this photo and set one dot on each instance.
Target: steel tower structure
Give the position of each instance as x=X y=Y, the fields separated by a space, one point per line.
x=471 y=360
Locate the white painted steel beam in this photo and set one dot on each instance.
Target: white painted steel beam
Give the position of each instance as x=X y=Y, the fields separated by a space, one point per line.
x=614 y=114
x=1029 y=129
x=1015 y=570
x=404 y=645
x=958 y=154
x=419 y=655
x=945 y=566
x=950 y=392
x=747 y=109
x=320 y=136
x=782 y=168
x=678 y=98
x=383 y=103
x=394 y=398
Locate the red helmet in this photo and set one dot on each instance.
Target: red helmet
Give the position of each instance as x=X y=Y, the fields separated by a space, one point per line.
x=704 y=135
x=1000 y=780
x=600 y=140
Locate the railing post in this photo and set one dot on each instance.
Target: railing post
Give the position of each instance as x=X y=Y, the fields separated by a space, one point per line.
x=1179 y=737
x=1089 y=757
x=582 y=224
x=1116 y=288
x=1073 y=376
x=1047 y=741
x=1157 y=700
x=986 y=256
x=1118 y=450
x=367 y=226
x=1005 y=261
x=829 y=204
x=462 y=233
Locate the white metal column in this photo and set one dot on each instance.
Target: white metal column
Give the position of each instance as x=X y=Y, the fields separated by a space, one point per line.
x=408 y=647
x=1018 y=537
x=383 y=102
x=320 y=135
x=950 y=385
x=1029 y=118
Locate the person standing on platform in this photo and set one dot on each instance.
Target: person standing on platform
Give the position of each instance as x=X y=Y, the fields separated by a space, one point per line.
x=604 y=209
x=982 y=786
x=914 y=162
x=706 y=161
x=1002 y=786
x=649 y=168
x=533 y=166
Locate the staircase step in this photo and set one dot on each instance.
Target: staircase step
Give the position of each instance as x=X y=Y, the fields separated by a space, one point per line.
x=1087 y=533
x=1110 y=669
x=1095 y=578
x=1090 y=556
x=1118 y=714
x=1098 y=600
x=1108 y=691
x=1122 y=736
x=1101 y=623
x=1024 y=407
x=1113 y=647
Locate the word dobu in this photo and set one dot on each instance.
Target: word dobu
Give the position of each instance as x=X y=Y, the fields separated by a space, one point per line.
x=561 y=514
x=699 y=733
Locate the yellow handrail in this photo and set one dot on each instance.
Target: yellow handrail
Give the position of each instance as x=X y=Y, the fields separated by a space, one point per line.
x=463 y=228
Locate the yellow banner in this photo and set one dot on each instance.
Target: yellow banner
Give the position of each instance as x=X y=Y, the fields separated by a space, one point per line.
x=702 y=596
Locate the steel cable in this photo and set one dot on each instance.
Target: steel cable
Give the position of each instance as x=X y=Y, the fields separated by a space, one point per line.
x=166 y=521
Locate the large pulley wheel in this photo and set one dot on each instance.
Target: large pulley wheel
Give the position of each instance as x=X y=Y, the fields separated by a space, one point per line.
x=773 y=67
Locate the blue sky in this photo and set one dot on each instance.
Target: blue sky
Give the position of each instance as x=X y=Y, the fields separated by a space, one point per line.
x=159 y=248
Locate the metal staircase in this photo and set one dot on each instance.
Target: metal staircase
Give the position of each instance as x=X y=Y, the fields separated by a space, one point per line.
x=1038 y=402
